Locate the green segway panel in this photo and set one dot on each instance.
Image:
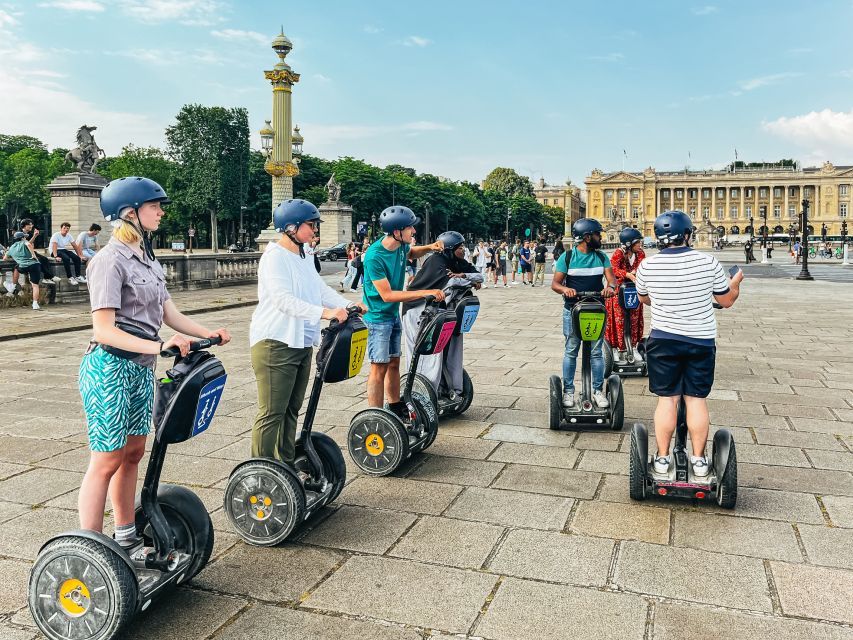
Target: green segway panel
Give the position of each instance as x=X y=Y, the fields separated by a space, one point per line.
x=436 y=330
x=589 y=320
x=342 y=350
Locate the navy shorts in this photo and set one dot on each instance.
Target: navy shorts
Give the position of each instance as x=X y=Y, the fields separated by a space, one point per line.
x=679 y=368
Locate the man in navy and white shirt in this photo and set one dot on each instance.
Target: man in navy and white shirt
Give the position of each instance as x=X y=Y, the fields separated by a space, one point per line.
x=679 y=283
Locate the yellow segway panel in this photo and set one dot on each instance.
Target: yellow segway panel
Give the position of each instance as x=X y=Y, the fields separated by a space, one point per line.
x=342 y=350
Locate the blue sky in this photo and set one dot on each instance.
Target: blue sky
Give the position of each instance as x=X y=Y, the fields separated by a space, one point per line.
x=552 y=89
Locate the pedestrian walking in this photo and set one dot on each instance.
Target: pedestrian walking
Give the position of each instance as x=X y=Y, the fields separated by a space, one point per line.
x=540 y=255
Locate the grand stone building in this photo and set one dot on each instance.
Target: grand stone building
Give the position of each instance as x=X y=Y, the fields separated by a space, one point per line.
x=567 y=197
x=728 y=199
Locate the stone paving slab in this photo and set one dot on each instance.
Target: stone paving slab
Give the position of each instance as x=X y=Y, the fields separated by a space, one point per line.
x=739 y=536
x=360 y=529
x=512 y=508
x=447 y=541
x=814 y=592
x=547 y=480
x=622 y=521
x=370 y=586
x=839 y=510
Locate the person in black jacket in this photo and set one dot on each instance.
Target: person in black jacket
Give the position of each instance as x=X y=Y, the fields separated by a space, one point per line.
x=435 y=273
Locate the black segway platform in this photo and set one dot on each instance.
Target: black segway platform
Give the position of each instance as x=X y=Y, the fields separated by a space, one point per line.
x=84 y=585
x=266 y=499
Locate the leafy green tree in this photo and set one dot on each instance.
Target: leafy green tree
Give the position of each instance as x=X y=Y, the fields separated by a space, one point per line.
x=554 y=219
x=212 y=146
x=258 y=213
x=508 y=183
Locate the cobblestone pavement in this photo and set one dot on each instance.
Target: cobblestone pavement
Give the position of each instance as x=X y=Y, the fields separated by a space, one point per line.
x=505 y=529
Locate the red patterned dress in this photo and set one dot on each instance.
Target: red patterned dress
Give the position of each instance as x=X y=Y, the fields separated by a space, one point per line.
x=613 y=332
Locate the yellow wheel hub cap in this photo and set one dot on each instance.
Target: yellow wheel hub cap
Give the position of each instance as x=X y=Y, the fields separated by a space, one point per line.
x=374 y=444
x=74 y=597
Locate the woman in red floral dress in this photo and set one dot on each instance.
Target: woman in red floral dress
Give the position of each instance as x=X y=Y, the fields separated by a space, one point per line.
x=625 y=261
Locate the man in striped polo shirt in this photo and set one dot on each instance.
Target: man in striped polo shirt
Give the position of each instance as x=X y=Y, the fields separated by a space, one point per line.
x=678 y=283
x=582 y=269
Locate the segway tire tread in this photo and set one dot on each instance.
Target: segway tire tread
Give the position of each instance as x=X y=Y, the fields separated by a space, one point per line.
x=636 y=475
x=467 y=394
x=333 y=461
x=617 y=420
x=120 y=581
x=555 y=402
x=608 y=358
x=395 y=428
x=727 y=487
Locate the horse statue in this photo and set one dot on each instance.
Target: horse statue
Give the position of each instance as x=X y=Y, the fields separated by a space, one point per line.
x=87 y=153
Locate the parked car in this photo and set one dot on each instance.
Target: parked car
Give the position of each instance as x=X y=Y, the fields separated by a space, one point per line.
x=649 y=242
x=338 y=252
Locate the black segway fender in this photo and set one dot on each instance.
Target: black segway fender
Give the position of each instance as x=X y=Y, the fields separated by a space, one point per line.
x=614 y=384
x=555 y=402
x=638 y=464
x=722 y=444
x=640 y=443
x=278 y=463
x=100 y=538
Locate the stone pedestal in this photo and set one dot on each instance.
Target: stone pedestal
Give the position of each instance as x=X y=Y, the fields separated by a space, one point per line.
x=76 y=198
x=267 y=236
x=704 y=236
x=337 y=223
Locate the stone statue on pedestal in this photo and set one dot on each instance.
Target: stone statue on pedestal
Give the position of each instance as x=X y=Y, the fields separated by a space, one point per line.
x=87 y=153
x=334 y=190
x=336 y=215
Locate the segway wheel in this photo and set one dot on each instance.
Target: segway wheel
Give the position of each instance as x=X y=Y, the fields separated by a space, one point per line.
x=607 y=350
x=377 y=442
x=637 y=466
x=264 y=502
x=81 y=589
x=467 y=398
x=427 y=417
x=421 y=386
x=727 y=485
x=617 y=414
x=555 y=402
x=334 y=466
x=190 y=523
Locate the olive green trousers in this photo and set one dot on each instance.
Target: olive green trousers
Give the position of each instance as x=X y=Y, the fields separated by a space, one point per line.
x=282 y=376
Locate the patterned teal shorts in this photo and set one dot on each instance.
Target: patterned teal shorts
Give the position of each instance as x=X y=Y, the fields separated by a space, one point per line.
x=118 y=398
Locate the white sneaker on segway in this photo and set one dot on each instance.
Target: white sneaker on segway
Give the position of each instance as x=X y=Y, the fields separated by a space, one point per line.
x=638 y=358
x=72 y=281
x=700 y=466
x=619 y=358
x=661 y=464
x=568 y=398
x=601 y=400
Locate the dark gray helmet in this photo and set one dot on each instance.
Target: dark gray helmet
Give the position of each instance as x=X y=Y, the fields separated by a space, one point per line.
x=451 y=240
x=132 y=191
x=293 y=212
x=629 y=236
x=584 y=227
x=673 y=227
x=397 y=218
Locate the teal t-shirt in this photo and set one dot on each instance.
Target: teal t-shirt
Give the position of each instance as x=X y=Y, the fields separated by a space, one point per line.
x=585 y=273
x=381 y=264
x=20 y=253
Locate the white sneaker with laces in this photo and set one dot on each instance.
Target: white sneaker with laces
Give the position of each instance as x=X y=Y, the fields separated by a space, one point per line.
x=81 y=279
x=600 y=399
x=36 y=306
x=57 y=279
x=568 y=398
x=661 y=464
x=700 y=466
x=73 y=281
x=638 y=358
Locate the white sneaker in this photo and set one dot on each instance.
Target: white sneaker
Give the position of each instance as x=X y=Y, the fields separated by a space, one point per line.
x=568 y=398
x=57 y=279
x=600 y=399
x=619 y=358
x=82 y=279
x=72 y=281
x=661 y=464
x=36 y=306
x=638 y=358
x=700 y=466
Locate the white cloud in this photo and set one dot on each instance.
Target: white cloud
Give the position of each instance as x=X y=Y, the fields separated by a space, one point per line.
x=7 y=20
x=320 y=134
x=92 y=6
x=706 y=10
x=416 y=41
x=800 y=51
x=763 y=81
x=189 y=12
x=319 y=77
x=845 y=73
x=167 y=57
x=239 y=34
x=369 y=28
x=834 y=128
x=610 y=57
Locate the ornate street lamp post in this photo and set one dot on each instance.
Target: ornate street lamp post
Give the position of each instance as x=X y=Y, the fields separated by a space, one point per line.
x=508 y=216
x=277 y=140
x=804 y=273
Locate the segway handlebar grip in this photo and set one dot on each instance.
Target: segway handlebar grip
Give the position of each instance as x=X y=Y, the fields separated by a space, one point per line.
x=428 y=300
x=195 y=345
x=716 y=305
x=588 y=294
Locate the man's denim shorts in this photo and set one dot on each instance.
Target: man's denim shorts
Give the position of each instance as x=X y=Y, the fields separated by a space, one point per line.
x=383 y=340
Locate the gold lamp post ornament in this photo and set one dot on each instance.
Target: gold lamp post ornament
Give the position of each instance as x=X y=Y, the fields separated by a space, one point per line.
x=277 y=141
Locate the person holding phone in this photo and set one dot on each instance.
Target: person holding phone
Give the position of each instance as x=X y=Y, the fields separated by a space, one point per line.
x=680 y=284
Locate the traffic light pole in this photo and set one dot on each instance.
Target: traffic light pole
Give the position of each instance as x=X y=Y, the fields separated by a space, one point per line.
x=804 y=273
x=846 y=261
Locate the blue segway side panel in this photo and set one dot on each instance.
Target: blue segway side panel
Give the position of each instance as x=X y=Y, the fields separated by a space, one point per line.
x=187 y=397
x=342 y=350
x=628 y=296
x=466 y=314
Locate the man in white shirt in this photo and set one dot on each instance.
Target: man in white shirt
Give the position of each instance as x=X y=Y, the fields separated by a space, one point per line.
x=62 y=247
x=678 y=283
x=87 y=242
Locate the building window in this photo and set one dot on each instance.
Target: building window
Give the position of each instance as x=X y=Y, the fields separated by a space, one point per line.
x=748 y=211
x=721 y=193
x=706 y=211
x=792 y=192
x=842 y=210
x=706 y=193
x=622 y=194
x=777 y=192
x=777 y=211
x=792 y=211
x=622 y=213
x=748 y=193
x=720 y=212
x=762 y=192
x=635 y=193
x=679 y=193
x=842 y=189
x=807 y=191
x=635 y=213
x=733 y=211
x=734 y=193
x=664 y=193
x=608 y=194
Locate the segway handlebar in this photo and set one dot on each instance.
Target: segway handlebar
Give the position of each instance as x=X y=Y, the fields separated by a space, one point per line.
x=588 y=294
x=717 y=305
x=195 y=345
x=352 y=310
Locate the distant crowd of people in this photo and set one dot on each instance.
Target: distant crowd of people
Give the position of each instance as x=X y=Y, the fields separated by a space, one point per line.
x=61 y=248
x=501 y=261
